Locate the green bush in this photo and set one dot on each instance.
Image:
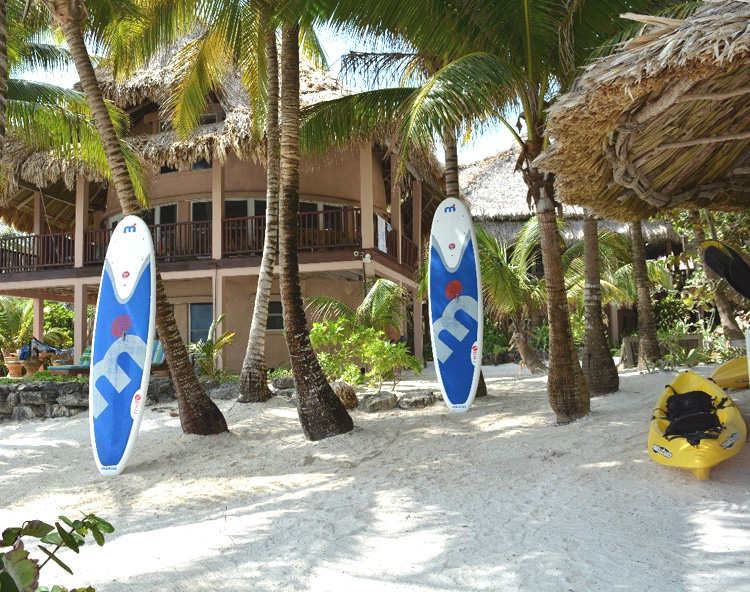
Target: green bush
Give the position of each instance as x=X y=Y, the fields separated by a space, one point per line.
x=669 y=312
x=344 y=345
x=539 y=337
x=494 y=342
x=20 y=572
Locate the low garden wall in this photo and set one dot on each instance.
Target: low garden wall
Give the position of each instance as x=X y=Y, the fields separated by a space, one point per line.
x=36 y=399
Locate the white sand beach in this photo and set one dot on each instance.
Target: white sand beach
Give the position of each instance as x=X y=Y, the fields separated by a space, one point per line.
x=499 y=498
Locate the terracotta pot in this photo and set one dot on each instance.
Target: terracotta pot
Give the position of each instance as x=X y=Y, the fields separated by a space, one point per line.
x=31 y=367
x=15 y=369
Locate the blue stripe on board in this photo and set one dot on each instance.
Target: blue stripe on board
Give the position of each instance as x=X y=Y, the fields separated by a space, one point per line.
x=457 y=371
x=113 y=426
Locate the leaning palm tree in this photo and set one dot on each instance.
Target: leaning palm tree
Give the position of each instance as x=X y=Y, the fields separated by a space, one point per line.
x=198 y=413
x=321 y=412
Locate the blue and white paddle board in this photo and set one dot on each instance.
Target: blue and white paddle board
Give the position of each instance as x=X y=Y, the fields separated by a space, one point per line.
x=455 y=295
x=122 y=346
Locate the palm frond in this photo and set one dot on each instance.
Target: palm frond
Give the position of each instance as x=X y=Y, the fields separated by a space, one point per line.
x=321 y=307
x=359 y=118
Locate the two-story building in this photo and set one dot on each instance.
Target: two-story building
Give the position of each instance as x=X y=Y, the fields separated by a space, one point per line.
x=207 y=215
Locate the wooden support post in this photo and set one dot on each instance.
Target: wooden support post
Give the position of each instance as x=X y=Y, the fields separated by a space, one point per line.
x=217 y=209
x=39 y=318
x=80 y=335
x=418 y=329
x=396 y=219
x=366 y=197
x=416 y=225
x=81 y=218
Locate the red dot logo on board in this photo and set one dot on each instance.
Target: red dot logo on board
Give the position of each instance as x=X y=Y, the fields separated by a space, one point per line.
x=452 y=246
x=125 y=274
x=453 y=289
x=121 y=324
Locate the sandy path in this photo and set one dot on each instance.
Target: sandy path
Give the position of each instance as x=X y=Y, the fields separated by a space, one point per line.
x=499 y=498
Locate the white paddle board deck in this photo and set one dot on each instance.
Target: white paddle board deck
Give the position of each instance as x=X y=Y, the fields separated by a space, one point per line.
x=122 y=346
x=455 y=295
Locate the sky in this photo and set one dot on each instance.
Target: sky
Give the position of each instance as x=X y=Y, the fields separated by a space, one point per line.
x=335 y=45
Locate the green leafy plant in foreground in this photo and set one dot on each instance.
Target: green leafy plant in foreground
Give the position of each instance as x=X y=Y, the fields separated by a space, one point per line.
x=20 y=572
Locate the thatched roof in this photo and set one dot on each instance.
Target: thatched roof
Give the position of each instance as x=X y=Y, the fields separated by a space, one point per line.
x=494 y=190
x=496 y=195
x=26 y=170
x=664 y=122
x=155 y=83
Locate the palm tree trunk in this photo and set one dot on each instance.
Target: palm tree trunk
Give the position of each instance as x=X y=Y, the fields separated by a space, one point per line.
x=598 y=365
x=254 y=376
x=198 y=413
x=648 y=343
x=530 y=358
x=321 y=412
x=726 y=311
x=566 y=385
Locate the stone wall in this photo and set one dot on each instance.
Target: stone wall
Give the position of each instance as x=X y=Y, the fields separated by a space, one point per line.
x=33 y=400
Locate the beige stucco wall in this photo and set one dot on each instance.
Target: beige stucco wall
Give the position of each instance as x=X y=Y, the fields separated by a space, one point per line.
x=333 y=178
x=238 y=301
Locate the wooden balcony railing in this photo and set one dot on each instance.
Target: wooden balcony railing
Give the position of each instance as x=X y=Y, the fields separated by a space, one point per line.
x=409 y=253
x=321 y=230
x=36 y=251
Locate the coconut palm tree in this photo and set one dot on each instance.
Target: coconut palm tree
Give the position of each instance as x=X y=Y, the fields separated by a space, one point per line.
x=321 y=412
x=198 y=413
x=598 y=365
x=648 y=342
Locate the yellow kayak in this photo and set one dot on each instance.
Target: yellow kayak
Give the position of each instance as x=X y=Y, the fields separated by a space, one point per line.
x=732 y=374
x=695 y=426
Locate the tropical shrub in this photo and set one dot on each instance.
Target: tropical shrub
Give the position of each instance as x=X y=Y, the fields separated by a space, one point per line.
x=344 y=345
x=495 y=341
x=58 y=324
x=670 y=310
x=17 y=325
x=20 y=572
x=205 y=353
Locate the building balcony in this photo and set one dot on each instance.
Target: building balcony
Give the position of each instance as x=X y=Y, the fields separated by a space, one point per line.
x=326 y=230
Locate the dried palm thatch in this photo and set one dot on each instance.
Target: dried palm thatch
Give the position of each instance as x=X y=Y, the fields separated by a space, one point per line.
x=497 y=197
x=664 y=122
x=26 y=170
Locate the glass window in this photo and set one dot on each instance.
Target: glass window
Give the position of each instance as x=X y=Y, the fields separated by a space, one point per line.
x=235 y=208
x=167 y=214
x=307 y=206
x=201 y=211
x=260 y=207
x=275 y=320
x=201 y=317
x=207 y=118
x=167 y=169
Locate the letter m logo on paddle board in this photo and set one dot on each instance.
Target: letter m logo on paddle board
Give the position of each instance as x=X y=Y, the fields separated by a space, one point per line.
x=456 y=315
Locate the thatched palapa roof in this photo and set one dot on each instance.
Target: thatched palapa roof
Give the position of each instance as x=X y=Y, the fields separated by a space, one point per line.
x=496 y=195
x=664 y=122
x=156 y=81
